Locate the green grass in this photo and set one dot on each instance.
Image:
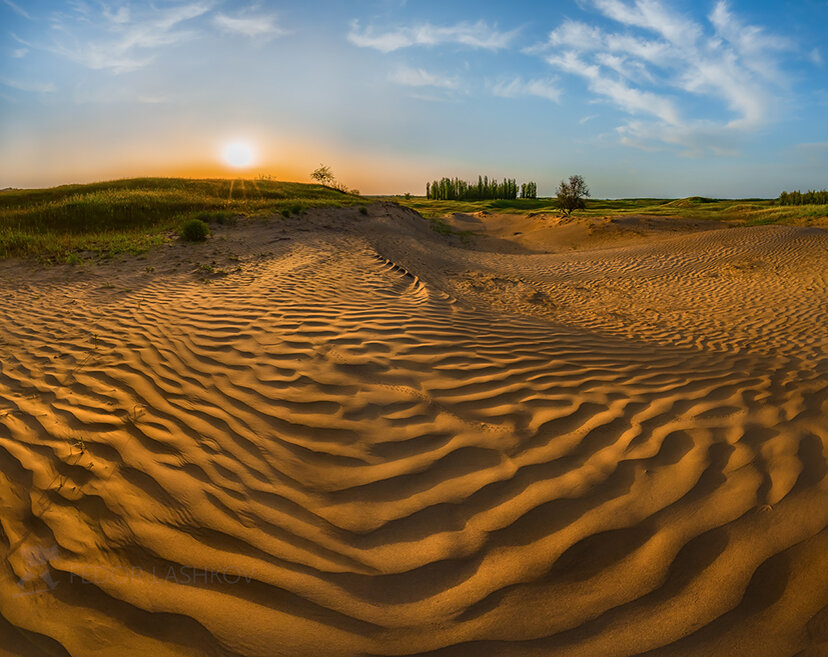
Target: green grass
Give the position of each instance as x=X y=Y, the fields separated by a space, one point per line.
x=132 y=216
x=195 y=230
x=747 y=211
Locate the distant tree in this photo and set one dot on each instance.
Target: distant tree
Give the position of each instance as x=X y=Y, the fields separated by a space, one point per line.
x=572 y=194
x=811 y=197
x=455 y=189
x=529 y=190
x=323 y=175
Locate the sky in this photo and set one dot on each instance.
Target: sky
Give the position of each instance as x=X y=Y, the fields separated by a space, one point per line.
x=644 y=98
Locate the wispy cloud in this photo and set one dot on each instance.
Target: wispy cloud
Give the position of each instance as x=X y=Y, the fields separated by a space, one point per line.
x=545 y=88
x=262 y=26
x=661 y=54
x=119 y=16
x=32 y=86
x=754 y=47
x=17 y=9
x=629 y=98
x=19 y=52
x=124 y=42
x=473 y=35
x=418 y=77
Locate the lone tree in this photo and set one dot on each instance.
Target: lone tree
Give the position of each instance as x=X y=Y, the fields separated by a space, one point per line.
x=323 y=175
x=571 y=194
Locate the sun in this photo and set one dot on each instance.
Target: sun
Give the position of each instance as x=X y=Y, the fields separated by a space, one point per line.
x=238 y=154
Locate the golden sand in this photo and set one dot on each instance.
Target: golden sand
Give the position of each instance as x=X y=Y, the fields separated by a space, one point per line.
x=598 y=437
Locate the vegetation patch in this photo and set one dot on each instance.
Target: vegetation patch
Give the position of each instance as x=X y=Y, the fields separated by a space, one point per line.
x=134 y=215
x=440 y=226
x=194 y=230
x=736 y=212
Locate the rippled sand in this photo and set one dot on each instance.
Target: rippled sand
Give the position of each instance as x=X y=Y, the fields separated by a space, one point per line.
x=370 y=439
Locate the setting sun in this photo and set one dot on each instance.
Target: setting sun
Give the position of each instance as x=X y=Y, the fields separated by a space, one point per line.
x=238 y=154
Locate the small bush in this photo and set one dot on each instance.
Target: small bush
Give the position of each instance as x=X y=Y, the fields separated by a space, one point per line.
x=363 y=209
x=195 y=230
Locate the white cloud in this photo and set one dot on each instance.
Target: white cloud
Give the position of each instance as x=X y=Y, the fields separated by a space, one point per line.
x=751 y=43
x=128 y=43
x=473 y=35
x=660 y=53
x=518 y=87
x=19 y=52
x=250 y=26
x=17 y=9
x=631 y=99
x=121 y=16
x=625 y=67
x=577 y=36
x=652 y=15
x=417 y=77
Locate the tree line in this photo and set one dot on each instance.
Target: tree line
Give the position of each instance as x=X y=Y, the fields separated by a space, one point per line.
x=454 y=189
x=811 y=197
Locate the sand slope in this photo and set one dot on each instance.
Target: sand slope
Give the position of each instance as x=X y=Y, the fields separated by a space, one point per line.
x=368 y=439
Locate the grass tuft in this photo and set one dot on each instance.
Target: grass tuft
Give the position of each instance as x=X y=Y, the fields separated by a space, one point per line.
x=195 y=230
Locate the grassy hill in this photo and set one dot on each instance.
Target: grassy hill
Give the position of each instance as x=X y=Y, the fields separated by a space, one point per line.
x=134 y=214
x=747 y=211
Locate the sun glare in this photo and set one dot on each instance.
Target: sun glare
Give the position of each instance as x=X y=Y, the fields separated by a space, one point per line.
x=238 y=154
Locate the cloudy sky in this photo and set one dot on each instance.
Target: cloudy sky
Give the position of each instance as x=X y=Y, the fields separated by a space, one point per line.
x=664 y=98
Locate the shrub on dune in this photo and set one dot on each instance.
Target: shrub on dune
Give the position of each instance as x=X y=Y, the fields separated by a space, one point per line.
x=194 y=230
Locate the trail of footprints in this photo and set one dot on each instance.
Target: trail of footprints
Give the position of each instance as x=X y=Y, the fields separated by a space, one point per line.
x=391 y=474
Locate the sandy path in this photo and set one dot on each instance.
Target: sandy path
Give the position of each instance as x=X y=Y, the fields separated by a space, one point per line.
x=370 y=441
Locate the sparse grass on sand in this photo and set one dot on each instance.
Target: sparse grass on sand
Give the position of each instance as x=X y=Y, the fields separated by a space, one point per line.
x=130 y=216
x=746 y=211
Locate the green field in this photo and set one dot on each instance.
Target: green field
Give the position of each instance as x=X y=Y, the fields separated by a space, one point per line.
x=747 y=211
x=130 y=216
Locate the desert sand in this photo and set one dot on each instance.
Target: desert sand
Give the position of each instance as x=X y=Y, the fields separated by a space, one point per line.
x=346 y=434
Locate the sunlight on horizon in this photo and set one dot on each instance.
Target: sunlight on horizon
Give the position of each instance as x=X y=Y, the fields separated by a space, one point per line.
x=239 y=154
x=691 y=99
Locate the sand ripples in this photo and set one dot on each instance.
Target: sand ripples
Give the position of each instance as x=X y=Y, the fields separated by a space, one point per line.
x=325 y=454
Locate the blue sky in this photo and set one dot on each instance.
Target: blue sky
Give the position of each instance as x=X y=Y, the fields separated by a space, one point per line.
x=663 y=98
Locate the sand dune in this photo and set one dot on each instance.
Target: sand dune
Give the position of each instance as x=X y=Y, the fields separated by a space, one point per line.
x=369 y=439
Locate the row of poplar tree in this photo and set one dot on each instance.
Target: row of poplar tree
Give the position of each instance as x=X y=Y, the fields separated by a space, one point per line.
x=454 y=189
x=808 y=198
